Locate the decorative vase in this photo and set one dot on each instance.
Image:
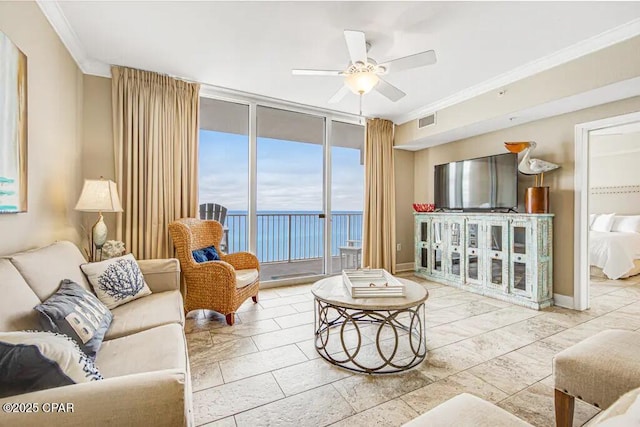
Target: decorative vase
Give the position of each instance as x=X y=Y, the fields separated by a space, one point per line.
x=536 y=200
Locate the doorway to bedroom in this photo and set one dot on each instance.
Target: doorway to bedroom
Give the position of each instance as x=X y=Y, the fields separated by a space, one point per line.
x=614 y=213
x=607 y=214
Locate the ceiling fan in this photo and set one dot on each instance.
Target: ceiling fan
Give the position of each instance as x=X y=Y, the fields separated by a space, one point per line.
x=363 y=73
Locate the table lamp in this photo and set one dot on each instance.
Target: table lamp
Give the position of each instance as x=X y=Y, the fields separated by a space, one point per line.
x=98 y=195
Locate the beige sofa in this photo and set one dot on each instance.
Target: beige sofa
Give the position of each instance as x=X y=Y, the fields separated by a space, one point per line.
x=143 y=358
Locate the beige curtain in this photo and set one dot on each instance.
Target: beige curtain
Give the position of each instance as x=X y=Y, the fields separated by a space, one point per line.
x=155 y=130
x=379 y=239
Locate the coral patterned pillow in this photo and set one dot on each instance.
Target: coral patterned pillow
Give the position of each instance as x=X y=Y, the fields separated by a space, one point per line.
x=117 y=280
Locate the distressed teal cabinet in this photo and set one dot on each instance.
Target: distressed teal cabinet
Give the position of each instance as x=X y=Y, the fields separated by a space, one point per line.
x=504 y=256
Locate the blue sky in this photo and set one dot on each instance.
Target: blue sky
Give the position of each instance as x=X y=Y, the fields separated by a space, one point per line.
x=289 y=174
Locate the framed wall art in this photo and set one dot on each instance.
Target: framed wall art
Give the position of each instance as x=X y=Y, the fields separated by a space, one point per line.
x=13 y=127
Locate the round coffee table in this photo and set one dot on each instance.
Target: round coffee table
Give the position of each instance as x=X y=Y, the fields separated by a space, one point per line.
x=399 y=341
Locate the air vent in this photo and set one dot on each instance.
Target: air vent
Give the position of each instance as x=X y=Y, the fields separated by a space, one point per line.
x=425 y=121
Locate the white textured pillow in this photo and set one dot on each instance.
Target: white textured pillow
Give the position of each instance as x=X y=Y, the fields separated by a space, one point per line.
x=603 y=223
x=626 y=224
x=34 y=360
x=592 y=218
x=116 y=281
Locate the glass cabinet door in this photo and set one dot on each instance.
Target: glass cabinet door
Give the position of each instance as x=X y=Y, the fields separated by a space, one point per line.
x=473 y=262
x=437 y=247
x=454 y=244
x=496 y=247
x=520 y=264
x=422 y=230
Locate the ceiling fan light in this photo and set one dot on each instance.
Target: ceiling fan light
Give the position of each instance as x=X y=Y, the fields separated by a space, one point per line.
x=363 y=82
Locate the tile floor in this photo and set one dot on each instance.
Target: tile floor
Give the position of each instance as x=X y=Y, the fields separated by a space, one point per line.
x=264 y=370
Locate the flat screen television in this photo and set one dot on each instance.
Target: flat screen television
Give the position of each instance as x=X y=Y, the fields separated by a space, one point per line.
x=485 y=183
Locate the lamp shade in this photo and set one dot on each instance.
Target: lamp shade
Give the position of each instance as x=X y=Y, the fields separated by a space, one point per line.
x=362 y=82
x=99 y=195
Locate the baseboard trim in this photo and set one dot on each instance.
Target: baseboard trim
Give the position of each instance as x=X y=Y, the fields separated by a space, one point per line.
x=404 y=266
x=563 y=301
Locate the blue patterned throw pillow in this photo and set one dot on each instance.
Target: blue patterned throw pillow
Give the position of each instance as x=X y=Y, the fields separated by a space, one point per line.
x=77 y=313
x=34 y=360
x=117 y=280
x=206 y=254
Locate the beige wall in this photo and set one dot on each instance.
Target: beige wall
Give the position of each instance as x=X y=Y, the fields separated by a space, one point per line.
x=555 y=138
x=55 y=128
x=614 y=160
x=98 y=154
x=403 y=164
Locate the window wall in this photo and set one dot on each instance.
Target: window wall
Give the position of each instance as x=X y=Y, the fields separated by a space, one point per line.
x=292 y=182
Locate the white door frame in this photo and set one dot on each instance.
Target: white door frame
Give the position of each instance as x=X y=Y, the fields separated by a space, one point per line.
x=581 y=203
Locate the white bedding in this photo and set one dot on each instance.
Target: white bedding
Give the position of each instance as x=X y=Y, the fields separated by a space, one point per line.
x=614 y=252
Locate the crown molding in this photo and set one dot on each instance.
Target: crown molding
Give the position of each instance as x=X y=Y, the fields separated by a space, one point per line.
x=57 y=19
x=585 y=47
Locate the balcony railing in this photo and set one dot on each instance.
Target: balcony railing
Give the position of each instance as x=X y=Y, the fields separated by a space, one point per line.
x=286 y=237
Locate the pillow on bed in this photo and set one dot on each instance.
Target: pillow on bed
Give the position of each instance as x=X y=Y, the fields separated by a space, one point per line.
x=592 y=218
x=603 y=223
x=626 y=224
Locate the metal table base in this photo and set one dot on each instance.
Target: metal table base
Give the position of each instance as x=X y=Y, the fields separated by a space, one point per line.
x=331 y=322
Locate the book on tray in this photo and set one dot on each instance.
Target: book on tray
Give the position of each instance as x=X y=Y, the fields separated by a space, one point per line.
x=372 y=283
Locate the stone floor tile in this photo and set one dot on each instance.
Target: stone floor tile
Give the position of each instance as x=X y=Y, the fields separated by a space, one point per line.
x=296 y=319
x=448 y=360
x=308 y=375
x=198 y=341
x=607 y=303
x=263 y=361
x=535 y=405
x=317 y=407
x=535 y=328
x=430 y=396
x=265 y=313
x=565 y=317
x=205 y=375
x=495 y=343
x=225 y=422
x=393 y=413
x=293 y=299
x=512 y=372
x=286 y=291
x=308 y=347
x=223 y=401
x=366 y=391
x=542 y=351
x=446 y=334
x=250 y=328
x=282 y=337
x=303 y=307
x=223 y=347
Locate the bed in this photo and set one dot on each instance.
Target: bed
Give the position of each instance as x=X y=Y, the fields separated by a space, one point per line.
x=617 y=254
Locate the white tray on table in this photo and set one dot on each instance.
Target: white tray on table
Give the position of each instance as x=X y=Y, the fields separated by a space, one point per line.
x=372 y=283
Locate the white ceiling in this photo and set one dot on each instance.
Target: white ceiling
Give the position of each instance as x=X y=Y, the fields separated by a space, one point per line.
x=252 y=46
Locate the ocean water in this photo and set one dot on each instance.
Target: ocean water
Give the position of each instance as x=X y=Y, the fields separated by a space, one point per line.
x=295 y=235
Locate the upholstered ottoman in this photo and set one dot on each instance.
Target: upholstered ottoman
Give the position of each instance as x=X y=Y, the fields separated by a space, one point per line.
x=467 y=410
x=597 y=370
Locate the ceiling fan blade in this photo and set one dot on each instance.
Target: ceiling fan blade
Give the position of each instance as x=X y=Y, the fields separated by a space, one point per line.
x=357 y=46
x=341 y=93
x=316 y=72
x=412 y=61
x=389 y=90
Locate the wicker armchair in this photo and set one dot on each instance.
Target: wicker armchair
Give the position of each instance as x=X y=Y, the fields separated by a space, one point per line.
x=213 y=285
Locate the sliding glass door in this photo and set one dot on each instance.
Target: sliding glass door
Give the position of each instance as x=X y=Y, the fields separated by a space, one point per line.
x=347 y=195
x=224 y=168
x=292 y=184
x=290 y=209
